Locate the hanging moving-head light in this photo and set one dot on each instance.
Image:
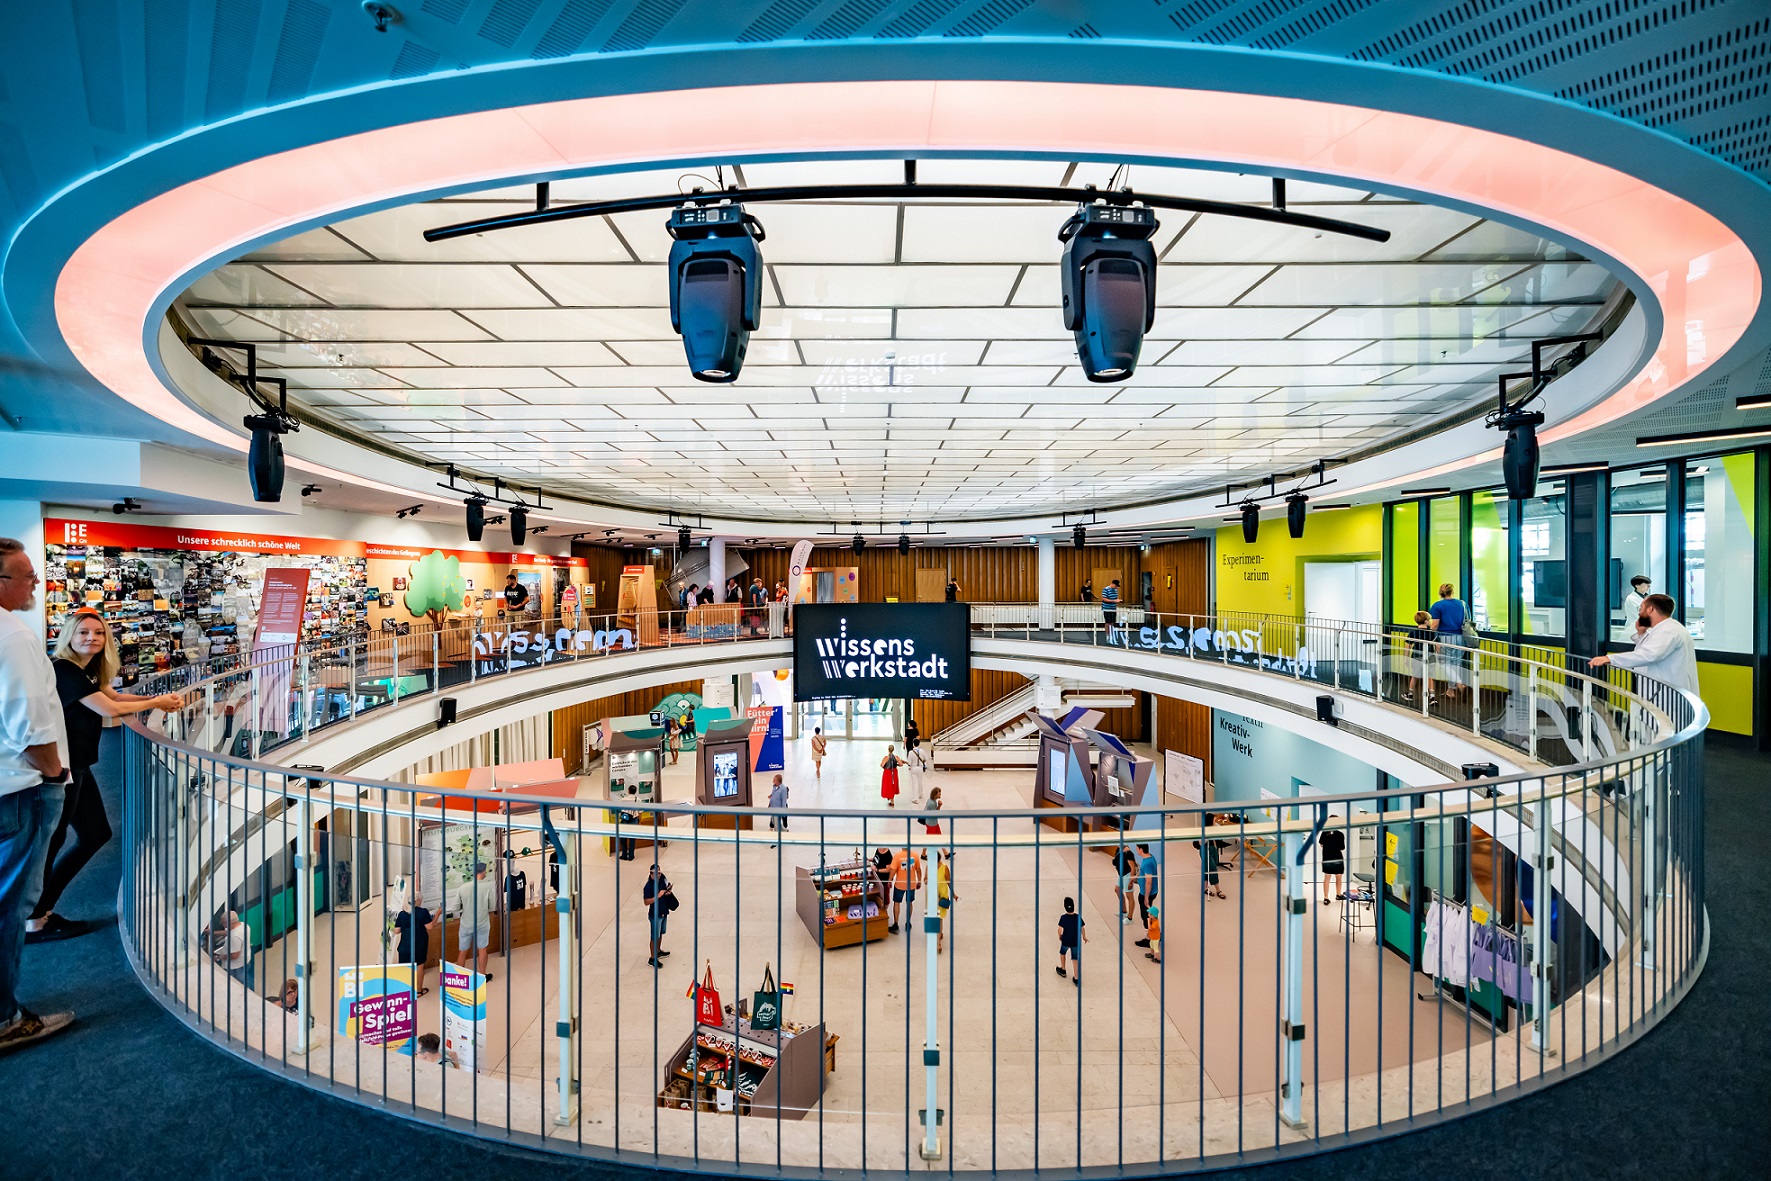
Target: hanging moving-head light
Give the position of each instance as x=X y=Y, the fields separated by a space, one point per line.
x=1251 y=521
x=1296 y=506
x=1108 y=279
x=715 y=285
x=476 y=517
x=904 y=543
x=519 y=523
x=1520 y=457
x=1079 y=537
x=684 y=538
x=264 y=458
x=860 y=543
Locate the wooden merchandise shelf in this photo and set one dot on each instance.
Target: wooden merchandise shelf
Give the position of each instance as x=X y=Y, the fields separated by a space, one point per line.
x=809 y=901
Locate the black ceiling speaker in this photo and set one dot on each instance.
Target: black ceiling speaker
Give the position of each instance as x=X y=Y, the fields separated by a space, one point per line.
x=715 y=286
x=903 y=543
x=1520 y=457
x=1251 y=522
x=1079 y=537
x=1297 y=505
x=684 y=538
x=264 y=458
x=519 y=523
x=476 y=517
x=1108 y=282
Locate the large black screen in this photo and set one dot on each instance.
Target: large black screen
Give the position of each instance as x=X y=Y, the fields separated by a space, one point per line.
x=882 y=650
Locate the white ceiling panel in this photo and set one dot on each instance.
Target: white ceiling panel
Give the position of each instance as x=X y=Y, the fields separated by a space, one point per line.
x=896 y=374
x=896 y=286
x=414 y=285
x=397 y=235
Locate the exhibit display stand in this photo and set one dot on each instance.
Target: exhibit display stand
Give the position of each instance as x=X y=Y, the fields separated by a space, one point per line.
x=630 y=774
x=636 y=603
x=723 y=757
x=1122 y=778
x=842 y=904
x=1064 y=776
x=756 y=1071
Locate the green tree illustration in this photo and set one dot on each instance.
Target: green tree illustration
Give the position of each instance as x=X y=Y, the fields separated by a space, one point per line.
x=435 y=584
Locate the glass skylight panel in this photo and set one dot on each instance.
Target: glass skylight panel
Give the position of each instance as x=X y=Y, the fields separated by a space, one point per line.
x=1266 y=352
x=241 y=285
x=414 y=285
x=1493 y=240
x=905 y=358
x=1452 y=322
x=299 y=354
x=1493 y=350
x=1397 y=284
x=824 y=323
x=1267 y=376
x=895 y=286
x=1414 y=230
x=1233 y=323
x=321 y=245
x=365 y=324
x=982 y=233
x=519 y=353
x=576 y=323
x=397 y=235
x=617 y=285
x=329 y=378
x=487 y=377
x=852 y=232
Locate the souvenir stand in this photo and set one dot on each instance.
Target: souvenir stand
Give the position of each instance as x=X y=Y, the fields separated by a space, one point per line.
x=1064 y=776
x=842 y=903
x=636 y=603
x=630 y=773
x=723 y=759
x=731 y=1062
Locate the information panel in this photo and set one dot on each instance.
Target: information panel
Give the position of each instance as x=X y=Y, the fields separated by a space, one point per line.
x=920 y=650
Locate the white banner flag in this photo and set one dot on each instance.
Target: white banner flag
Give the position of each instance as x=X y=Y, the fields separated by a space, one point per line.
x=802 y=553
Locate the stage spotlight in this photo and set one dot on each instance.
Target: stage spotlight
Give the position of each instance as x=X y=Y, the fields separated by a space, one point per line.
x=264 y=459
x=715 y=286
x=684 y=538
x=1251 y=522
x=1296 y=506
x=519 y=523
x=903 y=543
x=1108 y=280
x=860 y=543
x=1520 y=457
x=309 y=489
x=476 y=517
x=127 y=505
x=1079 y=537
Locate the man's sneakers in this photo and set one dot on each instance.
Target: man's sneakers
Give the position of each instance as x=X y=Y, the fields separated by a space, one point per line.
x=27 y=1027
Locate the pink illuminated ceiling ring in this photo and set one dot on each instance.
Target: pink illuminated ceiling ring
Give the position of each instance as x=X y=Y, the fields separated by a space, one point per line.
x=1701 y=272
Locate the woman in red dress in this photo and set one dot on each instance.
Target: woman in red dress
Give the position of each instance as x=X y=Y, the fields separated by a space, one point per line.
x=888 y=780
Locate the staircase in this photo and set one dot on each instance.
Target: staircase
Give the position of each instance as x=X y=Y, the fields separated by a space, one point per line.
x=1001 y=735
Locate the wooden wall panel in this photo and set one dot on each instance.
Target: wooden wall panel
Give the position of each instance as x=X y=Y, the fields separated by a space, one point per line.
x=569 y=722
x=988 y=574
x=1190 y=563
x=605 y=570
x=988 y=687
x=1184 y=727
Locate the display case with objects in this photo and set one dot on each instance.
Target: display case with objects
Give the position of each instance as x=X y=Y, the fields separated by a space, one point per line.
x=843 y=903
x=765 y=1070
x=630 y=771
x=724 y=771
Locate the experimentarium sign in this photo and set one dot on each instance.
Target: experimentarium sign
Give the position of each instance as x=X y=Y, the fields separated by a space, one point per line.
x=882 y=650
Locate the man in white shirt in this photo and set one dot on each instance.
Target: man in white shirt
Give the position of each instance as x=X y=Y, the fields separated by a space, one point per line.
x=1664 y=652
x=33 y=771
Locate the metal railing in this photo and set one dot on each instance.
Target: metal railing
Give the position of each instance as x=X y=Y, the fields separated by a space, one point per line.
x=1263 y=1022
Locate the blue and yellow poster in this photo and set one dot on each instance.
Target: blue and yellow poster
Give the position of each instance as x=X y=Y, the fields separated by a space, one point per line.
x=464 y=1017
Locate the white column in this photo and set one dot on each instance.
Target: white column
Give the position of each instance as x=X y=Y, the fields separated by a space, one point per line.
x=1048 y=582
x=716 y=567
x=1291 y=1026
x=22 y=520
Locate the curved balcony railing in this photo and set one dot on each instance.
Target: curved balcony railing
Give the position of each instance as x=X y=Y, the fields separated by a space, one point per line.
x=1497 y=935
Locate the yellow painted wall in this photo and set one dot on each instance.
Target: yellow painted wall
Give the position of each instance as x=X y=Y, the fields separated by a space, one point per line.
x=1728 y=691
x=1268 y=576
x=1403 y=561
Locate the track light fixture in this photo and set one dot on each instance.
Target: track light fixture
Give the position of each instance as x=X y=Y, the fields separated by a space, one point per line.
x=1296 y=506
x=904 y=543
x=408 y=512
x=1108 y=281
x=476 y=517
x=519 y=524
x=715 y=285
x=1079 y=537
x=1251 y=521
x=127 y=505
x=860 y=543
x=309 y=489
x=684 y=538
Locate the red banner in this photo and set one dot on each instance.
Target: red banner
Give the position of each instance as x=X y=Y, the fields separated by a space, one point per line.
x=128 y=535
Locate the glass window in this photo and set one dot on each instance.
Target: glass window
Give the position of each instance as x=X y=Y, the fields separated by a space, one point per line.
x=1488 y=559
x=1404 y=561
x=1444 y=545
x=1543 y=550
x=1719 y=552
x=1638 y=544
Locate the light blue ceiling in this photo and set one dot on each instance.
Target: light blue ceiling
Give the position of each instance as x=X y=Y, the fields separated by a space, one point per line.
x=86 y=85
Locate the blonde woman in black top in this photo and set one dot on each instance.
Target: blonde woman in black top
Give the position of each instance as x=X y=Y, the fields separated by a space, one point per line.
x=86 y=663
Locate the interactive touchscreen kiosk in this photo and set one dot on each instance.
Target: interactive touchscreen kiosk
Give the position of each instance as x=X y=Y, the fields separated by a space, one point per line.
x=1122 y=778
x=723 y=755
x=1065 y=776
